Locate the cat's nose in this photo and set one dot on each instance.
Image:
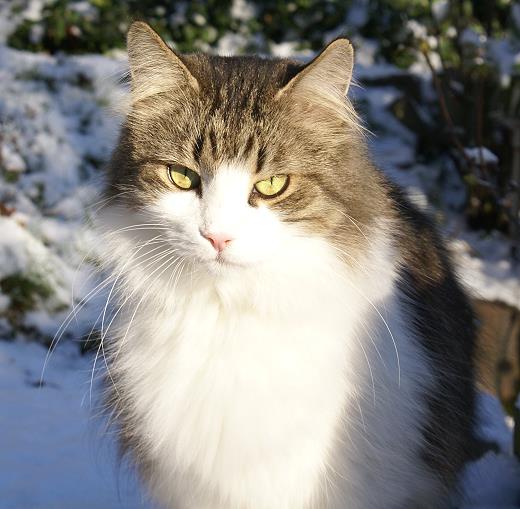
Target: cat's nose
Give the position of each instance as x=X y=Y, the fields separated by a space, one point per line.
x=218 y=240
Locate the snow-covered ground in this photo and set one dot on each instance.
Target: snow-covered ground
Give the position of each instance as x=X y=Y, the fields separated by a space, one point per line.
x=54 y=451
x=57 y=127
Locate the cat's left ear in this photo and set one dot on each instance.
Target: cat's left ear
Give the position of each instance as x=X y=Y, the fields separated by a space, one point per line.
x=329 y=73
x=154 y=66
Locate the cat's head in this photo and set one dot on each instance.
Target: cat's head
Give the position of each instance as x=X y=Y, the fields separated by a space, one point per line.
x=239 y=162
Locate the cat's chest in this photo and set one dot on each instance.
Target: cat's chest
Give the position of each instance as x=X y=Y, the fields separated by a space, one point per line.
x=222 y=390
x=227 y=357
x=250 y=400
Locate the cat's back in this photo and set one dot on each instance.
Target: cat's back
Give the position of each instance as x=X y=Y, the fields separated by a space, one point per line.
x=441 y=316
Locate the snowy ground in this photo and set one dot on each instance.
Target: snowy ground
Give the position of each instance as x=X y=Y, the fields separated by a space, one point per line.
x=57 y=127
x=55 y=454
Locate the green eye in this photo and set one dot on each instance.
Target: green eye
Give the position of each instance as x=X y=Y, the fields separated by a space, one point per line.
x=272 y=186
x=183 y=177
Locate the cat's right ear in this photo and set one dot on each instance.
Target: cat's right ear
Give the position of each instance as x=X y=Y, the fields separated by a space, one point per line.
x=154 y=66
x=324 y=82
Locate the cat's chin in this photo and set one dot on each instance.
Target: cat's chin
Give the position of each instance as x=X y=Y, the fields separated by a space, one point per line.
x=220 y=266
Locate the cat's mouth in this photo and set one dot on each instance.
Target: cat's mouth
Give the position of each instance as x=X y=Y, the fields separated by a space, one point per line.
x=222 y=262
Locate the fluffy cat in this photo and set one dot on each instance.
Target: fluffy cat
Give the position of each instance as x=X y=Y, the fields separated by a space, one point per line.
x=290 y=333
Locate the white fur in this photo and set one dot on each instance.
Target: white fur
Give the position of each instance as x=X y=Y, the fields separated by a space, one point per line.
x=269 y=381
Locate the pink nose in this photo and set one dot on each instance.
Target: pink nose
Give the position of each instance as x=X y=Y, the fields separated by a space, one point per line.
x=218 y=240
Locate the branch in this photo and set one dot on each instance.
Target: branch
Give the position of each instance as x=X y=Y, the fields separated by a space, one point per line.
x=445 y=112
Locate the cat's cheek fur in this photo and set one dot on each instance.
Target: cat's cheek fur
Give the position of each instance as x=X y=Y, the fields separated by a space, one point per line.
x=260 y=408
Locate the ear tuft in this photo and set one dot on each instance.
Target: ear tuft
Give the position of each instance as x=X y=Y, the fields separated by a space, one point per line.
x=154 y=67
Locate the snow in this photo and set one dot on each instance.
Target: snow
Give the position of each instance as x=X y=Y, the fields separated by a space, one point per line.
x=33 y=10
x=506 y=56
x=55 y=135
x=440 y=9
x=485 y=266
x=242 y=10
x=230 y=44
x=418 y=30
x=11 y=160
x=472 y=38
x=494 y=480
x=55 y=453
x=481 y=153
x=358 y=14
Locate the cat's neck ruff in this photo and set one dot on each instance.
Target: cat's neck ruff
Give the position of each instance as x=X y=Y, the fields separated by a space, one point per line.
x=240 y=385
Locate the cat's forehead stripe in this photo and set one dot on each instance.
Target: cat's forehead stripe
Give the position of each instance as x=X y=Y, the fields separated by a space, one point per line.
x=213 y=143
x=197 y=148
x=248 y=146
x=260 y=158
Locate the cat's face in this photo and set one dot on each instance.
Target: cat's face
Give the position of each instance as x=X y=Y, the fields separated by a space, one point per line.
x=240 y=162
x=215 y=223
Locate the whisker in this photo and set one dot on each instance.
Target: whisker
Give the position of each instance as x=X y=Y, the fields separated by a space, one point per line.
x=137 y=307
x=70 y=316
x=103 y=336
x=374 y=307
x=131 y=260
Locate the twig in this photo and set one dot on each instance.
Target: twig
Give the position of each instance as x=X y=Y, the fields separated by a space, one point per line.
x=480 y=124
x=445 y=112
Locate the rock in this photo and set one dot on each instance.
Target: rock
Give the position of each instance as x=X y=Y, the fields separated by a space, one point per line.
x=498 y=350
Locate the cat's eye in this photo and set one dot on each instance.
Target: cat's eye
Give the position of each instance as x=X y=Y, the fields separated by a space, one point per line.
x=273 y=186
x=183 y=177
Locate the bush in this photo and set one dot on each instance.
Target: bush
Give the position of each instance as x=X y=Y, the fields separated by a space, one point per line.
x=100 y=25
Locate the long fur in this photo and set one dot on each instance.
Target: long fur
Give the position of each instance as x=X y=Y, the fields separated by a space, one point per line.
x=310 y=364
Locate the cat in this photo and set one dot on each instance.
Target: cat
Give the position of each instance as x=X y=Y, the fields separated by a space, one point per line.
x=289 y=333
